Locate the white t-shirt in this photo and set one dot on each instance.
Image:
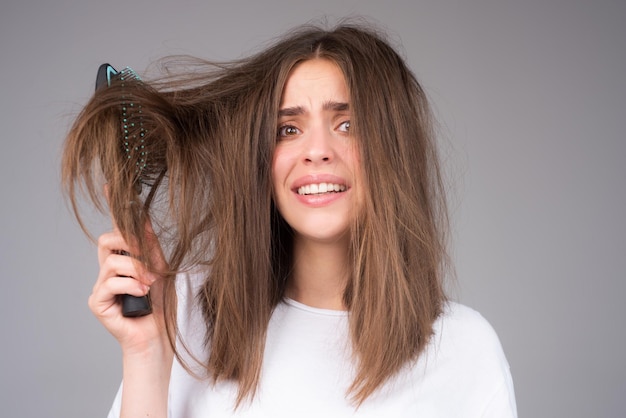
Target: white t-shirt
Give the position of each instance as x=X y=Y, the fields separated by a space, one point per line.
x=307 y=370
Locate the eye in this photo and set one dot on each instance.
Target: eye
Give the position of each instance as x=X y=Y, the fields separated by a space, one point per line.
x=287 y=130
x=344 y=126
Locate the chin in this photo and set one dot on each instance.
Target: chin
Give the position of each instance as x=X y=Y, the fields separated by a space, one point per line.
x=323 y=235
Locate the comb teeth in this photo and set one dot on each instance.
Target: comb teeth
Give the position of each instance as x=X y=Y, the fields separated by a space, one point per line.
x=128 y=73
x=133 y=128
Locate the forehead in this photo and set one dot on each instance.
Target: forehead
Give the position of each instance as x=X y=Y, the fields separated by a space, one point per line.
x=315 y=80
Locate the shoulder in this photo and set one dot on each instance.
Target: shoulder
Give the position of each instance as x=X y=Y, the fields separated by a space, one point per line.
x=461 y=324
x=468 y=338
x=466 y=349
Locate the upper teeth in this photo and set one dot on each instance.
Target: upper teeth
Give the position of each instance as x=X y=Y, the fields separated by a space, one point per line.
x=321 y=188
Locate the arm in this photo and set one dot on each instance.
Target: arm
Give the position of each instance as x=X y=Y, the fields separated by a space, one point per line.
x=146 y=352
x=146 y=380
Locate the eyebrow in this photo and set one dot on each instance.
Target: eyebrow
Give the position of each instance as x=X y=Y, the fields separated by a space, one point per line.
x=299 y=110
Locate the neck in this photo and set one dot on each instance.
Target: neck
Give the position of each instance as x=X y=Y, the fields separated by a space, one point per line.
x=320 y=272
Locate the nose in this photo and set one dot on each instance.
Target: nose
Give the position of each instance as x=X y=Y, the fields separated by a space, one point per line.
x=319 y=147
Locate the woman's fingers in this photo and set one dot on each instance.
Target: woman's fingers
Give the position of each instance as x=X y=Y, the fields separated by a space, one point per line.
x=114 y=242
x=124 y=274
x=119 y=274
x=114 y=256
x=110 y=242
x=105 y=293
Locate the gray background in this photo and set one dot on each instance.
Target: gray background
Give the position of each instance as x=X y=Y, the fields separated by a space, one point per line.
x=531 y=99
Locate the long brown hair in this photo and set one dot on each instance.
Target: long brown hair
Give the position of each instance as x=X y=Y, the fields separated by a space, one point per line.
x=214 y=133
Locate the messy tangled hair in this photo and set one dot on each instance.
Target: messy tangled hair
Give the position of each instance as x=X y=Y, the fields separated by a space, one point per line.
x=213 y=133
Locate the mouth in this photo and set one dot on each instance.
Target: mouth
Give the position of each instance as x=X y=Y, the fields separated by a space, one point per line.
x=320 y=188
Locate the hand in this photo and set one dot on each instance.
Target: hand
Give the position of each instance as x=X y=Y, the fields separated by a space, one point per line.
x=121 y=274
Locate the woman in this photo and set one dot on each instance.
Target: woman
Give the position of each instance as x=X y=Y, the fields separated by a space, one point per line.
x=301 y=212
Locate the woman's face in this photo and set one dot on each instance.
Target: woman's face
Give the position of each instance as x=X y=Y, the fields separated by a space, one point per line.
x=316 y=168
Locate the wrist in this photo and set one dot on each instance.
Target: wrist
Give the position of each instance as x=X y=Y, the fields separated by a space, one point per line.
x=155 y=353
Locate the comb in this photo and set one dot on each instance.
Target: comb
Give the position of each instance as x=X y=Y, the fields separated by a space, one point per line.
x=132 y=143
